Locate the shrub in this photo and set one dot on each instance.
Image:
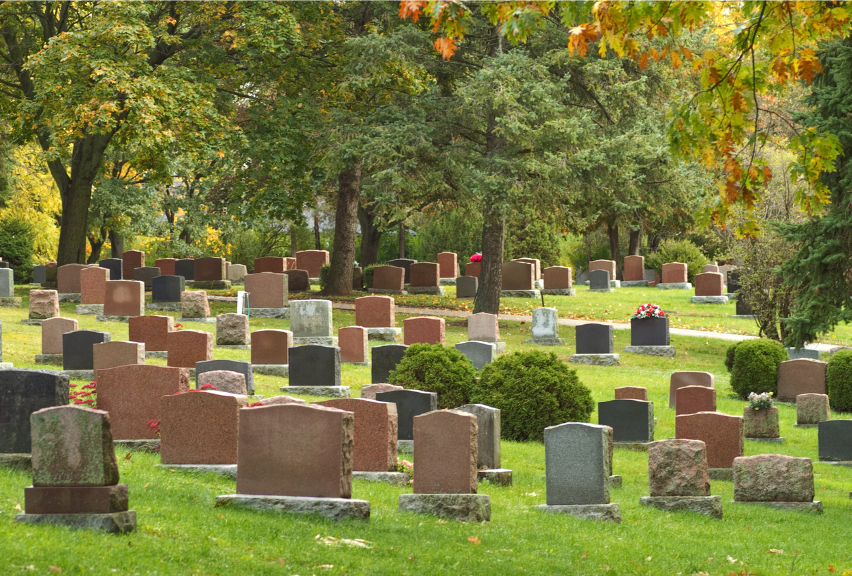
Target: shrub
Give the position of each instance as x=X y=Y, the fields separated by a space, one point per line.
x=729 y=356
x=435 y=368
x=838 y=380
x=16 y=246
x=533 y=390
x=677 y=251
x=755 y=366
x=367 y=276
x=323 y=277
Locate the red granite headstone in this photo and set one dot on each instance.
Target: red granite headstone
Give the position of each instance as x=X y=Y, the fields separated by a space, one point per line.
x=375 y=311
x=557 y=277
x=423 y=330
x=388 y=278
x=608 y=265
x=186 y=347
x=723 y=434
x=267 y=289
x=631 y=393
x=473 y=269
x=166 y=266
x=709 y=284
x=445 y=450
x=209 y=269
x=93 y=281
x=271 y=346
x=312 y=261
x=634 y=268
x=269 y=264
x=353 y=344
x=686 y=378
x=200 y=427
x=674 y=273
x=424 y=274
x=124 y=298
x=536 y=265
x=374 y=448
x=152 y=331
x=448 y=263
x=68 y=278
x=131 y=260
x=693 y=399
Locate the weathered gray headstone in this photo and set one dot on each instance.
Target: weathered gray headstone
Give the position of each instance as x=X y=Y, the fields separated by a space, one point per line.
x=576 y=459
x=310 y=322
x=488 y=419
x=466 y=286
x=630 y=420
x=545 y=327
x=384 y=359
x=7 y=283
x=479 y=353
x=599 y=281
x=22 y=392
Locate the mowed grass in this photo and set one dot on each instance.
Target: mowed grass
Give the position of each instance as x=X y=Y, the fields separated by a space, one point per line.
x=181 y=532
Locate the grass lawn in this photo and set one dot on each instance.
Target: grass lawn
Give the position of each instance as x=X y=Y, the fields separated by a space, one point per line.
x=181 y=532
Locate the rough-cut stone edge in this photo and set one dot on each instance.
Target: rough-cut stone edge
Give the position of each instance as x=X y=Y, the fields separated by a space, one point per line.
x=815 y=506
x=89 y=309
x=282 y=370
x=664 y=351
x=152 y=446
x=709 y=299
x=393 y=478
x=233 y=346
x=675 y=286
x=431 y=290
x=743 y=316
x=601 y=290
x=498 y=476
x=385 y=334
x=461 y=507
x=201 y=320
x=54 y=359
x=73 y=297
x=229 y=470
x=604 y=512
x=387 y=291
x=546 y=341
x=6 y=366
x=615 y=481
x=595 y=359
x=161 y=354
x=33 y=321
x=778 y=440
x=11 y=302
x=333 y=508
x=559 y=291
x=330 y=391
x=322 y=340
x=115 y=523
x=79 y=374
x=405 y=446
x=520 y=294
x=447 y=281
x=167 y=306
x=634 y=283
x=721 y=474
x=281 y=313
x=104 y=318
x=707 y=505
x=17 y=461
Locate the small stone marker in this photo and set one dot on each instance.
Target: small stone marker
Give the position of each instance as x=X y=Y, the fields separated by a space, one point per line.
x=634 y=269
x=267 y=290
x=479 y=353
x=353 y=345
x=52 y=330
x=425 y=279
x=448 y=263
x=310 y=321
x=274 y=264
x=75 y=474
x=167 y=289
x=835 y=440
x=186 y=268
x=721 y=433
x=545 y=328
x=466 y=286
x=166 y=266
x=77 y=351
x=384 y=359
x=631 y=393
x=145 y=275
x=594 y=345
x=557 y=280
x=93 y=281
x=298 y=280
x=130 y=260
x=23 y=392
x=374 y=446
x=312 y=261
x=632 y=421
x=577 y=468
x=117 y=353
x=488 y=444
x=194 y=305
x=423 y=330
x=124 y=299
x=232 y=330
x=409 y=403
x=811 y=409
x=43 y=304
x=315 y=367
x=223 y=381
x=678 y=478
x=389 y=280
x=239 y=366
x=187 y=347
x=775 y=480
x=152 y=331
x=200 y=427
x=681 y=379
x=114 y=265
x=599 y=281
x=369 y=391
x=802 y=376
x=693 y=399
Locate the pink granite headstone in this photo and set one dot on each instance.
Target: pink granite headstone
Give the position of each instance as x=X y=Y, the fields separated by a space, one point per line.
x=43 y=304
x=200 y=427
x=269 y=264
x=93 y=281
x=608 y=265
x=267 y=289
x=186 y=347
x=693 y=399
x=557 y=278
x=117 y=353
x=374 y=448
x=131 y=260
x=271 y=346
x=353 y=344
x=634 y=268
x=124 y=298
x=448 y=262
x=312 y=261
x=423 y=330
x=686 y=378
x=166 y=266
x=52 y=330
x=709 y=284
x=800 y=376
x=152 y=331
x=446 y=444
x=375 y=311
x=674 y=273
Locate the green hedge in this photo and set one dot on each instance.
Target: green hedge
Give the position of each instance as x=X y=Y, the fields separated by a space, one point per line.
x=838 y=380
x=436 y=368
x=755 y=366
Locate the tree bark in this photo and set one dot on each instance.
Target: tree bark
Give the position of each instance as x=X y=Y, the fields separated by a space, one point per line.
x=97 y=244
x=401 y=240
x=635 y=242
x=294 y=240
x=491 y=272
x=370 y=236
x=614 y=251
x=116 y=240
x=317 y=244
x=345 y=232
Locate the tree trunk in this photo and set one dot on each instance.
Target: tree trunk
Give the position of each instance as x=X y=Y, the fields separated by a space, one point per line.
x=634 y=243
x=345 y=232
x=116 y=240
x=614 y=251
x=317 y=244
x=491 y=272
x=97 y=243
x=294 y=240
x=401 y=240
x=370 y=236
x=654 y=242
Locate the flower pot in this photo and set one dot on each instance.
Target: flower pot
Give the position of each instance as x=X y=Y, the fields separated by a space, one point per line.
x=761 y=422
x=649 y=331
x=473 y=269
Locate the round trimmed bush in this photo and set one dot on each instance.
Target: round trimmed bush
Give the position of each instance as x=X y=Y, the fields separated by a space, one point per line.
x=755 y=366
x=533 y=390
x=729 y=356
x=838 y=380
x=435 y=368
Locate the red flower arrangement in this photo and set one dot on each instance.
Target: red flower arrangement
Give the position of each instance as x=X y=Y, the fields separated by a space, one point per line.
x=648 y=311
x=476 y=257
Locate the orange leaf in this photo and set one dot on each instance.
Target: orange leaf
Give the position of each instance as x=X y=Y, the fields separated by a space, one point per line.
x=643 y=61
x=446 y=46
x=807 y=65
x=687 y=53
x=473 y=540
x=676 y=61
x=411 y=8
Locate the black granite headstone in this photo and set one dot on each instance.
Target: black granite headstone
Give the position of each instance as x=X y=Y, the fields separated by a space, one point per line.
x=314 y=365
x=39 y=274
x=733 y=281
x=243 y=368
x=77 y=348
x=649 y=331
x=4 y=264
x=835 y=440
x=630 y=420
x=466 y=286
x=298 y=280
x=405 y=264
x=22 y=392
x=599 y=280
x=409 y=403
x=185 y=267
x=146 y=274
x=114 y=267
x=594 y=338
x=743 y=308
x=167 y=288
x=384 y=359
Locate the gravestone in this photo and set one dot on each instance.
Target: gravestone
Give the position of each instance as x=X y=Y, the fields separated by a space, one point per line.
x=374 y=444
x=93 y=281
x=545 y=328
x=124 y=299
x=270 y=347
x=353 y=345
x=608 y=265
x=488 y=443
x=423 y=330
x=243 y=368
x=409 y=403
x=687 y=378
x=634 y=270
x=388 y=280
x=594 y=338
x=369 y=391
x=734 y=281
x=811 y=409
x=167 y=289
x=7 y=289
x=802 y=376
x=77 y=351
x=68 y=281
x=194 y=305
x=674 y=273
x=310 y=321
x=146 y=274
x=632 y=421
x=375 y=312
x=185 y=267
x=298 y=280
x=405 y=264
x=777 y=481
x=710 y=268
x=484 y=327
x=678 y=478
x=117 y=353
x=631 y=393
x=425 y=279
x=599 y=281
x=479 y=353
x=209 y=269
x=131 y=260
x=290 y=263
x=384 y=359
x=267 y=293
x=743 y=308
x=39 y=274
x=223 y=381
x=693 y=399
x=23 y=392
x=536 y=264
x=114 y=265
x=317 y=367
x=273 y=264
x=312 y=261
x=200 y=427
x=473 y=269
x=187 y=347
x=834 y=440
x=43 y=304
x=466 y=286
x=518 y=278
x=723 y=434
x=793 y=354
x=166 y=266
x=237 y=273
x=52 y=330
x=557 y=281
x=445 y=449
x=232 y=330
x=357 y=278
x=448 y=262
x=709 y=289
x=153 y=332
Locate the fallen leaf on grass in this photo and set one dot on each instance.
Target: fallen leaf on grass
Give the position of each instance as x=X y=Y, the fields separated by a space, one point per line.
x=775 y=551
x=473 y=540
x=18 y=507
x=326 y=566
x=355 y=542
x=55 y=569
x=127 y=456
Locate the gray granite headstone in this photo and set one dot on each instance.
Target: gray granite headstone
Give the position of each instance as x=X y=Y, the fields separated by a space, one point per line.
x=314 y=365
x=7 y=283
x=185 y=267
x=409 y=403
x=479 y=353
x=243 y=368
x=77 y=348
x=384 y=359
x=576 y=459
x=39 y=274
x=594 y=338
x=488 y=420
x=630 y=420
x=599 y=280
x=794 y=354
x=146 y=274
x=167 y=288
x=835 y=440
x=310 y=318
x=466 y=286
x=404 y=263
x=114 y=265
x=22 y=392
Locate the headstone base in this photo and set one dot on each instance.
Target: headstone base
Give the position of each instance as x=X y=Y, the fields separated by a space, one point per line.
x=330 y=391
x=634 y=446
x=847 y=463
x=357 y=363
x=432 y=290
x=806 y=425
x=166 y=306
x=743 y=316
x=615 y=481
x=665 y=351
x=778 y=440
x=10 y=302
x=90 y=309
x=115 y=523
x=334 y=508
x=386 y=291
x=601 y=290
x=707 y=505
x=815 y=506
x=606 y=512
x=281 y=313
x=520 y=294
x=447 y=281
x=324 y=340
x=731 y=295
x=385 y=334
x=394 y=478
x=633 y=283
x=33 y=321
x=48 y=359
x=16 y=461
x=615 y=283
x=546 y=341
x=675 y=286
x=595 y=359
x=209 y=284
x=406 y=446
x=462 y=507
x=103 y=318
x=48 y=285
x=559 y=291
x=73 y=297
x=233 y=346
x=282 y=370
x=709 y=299
x=160 y=354
x=201 y=320
x=721 y=474
x=229 y=470
x=79 y=374
x=499 y=476
x=147 y=445
x=6 y=366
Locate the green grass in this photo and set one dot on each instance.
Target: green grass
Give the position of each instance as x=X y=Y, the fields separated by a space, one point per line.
x=180 y=531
